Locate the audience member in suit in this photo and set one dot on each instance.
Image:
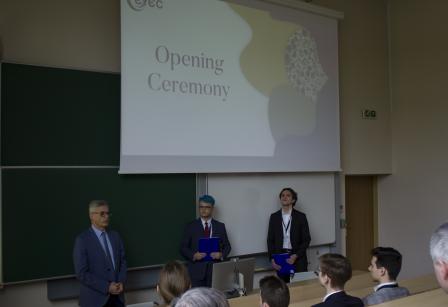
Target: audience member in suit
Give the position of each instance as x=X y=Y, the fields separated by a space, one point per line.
x=384 y=267
x=273 y=292
x=334 y=271
x=439 y=254
x=202 y=297
x=99 y=260
x=173 y=282
x=205 y=226
x=288 y=233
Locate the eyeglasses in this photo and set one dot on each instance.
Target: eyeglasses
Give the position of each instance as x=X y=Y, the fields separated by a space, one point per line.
x=103 y=213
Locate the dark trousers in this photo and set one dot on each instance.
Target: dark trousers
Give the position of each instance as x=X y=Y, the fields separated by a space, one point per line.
x=207 y=281
x=114 y=301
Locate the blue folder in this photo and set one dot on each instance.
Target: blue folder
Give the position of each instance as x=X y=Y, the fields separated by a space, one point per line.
x=208 y=246
x=287 y=269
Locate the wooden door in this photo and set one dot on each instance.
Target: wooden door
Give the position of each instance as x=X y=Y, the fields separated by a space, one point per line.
x=360 y=222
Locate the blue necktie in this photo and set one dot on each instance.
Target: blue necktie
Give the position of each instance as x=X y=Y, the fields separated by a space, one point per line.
x=106 y=246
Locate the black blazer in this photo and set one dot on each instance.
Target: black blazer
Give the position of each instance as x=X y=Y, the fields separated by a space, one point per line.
x=300 y=237
x=341 y=299
x=189 y=245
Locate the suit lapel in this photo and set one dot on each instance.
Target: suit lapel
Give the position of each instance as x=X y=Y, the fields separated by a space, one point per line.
x=293 y=224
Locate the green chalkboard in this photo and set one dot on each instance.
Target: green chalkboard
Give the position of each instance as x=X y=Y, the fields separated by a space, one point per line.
x=54 y=116
x=58 y=117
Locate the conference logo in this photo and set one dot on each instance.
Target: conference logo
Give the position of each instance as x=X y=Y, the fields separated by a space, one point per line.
x=139 y=5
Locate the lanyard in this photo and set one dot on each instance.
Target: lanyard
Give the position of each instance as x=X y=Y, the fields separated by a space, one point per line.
x=286 y=227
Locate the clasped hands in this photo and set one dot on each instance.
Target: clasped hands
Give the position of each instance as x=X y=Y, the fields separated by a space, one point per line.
x=115 y=288
x=292 y=258
x=199 y=256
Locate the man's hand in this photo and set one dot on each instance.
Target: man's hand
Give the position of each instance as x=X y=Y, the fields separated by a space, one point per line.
x=198 y=256
x=216 y=255
x=275 y=265
x=291 y=259
x=114 y=288
x=120 y=287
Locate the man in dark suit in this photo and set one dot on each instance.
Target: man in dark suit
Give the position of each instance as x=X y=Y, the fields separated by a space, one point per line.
x=334 y=271
x=205 y=226
x=99 y=260
x=289 y=233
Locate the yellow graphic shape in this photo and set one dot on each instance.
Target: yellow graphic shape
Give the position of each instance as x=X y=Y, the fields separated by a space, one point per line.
x=263 y=59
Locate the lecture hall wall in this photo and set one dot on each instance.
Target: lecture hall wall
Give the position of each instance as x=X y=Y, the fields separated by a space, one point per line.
x=405 y=84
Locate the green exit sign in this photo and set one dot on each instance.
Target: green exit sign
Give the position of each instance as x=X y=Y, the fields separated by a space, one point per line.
x=368 y=114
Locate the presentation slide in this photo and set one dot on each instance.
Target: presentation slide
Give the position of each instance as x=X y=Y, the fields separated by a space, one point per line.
x=213 y=86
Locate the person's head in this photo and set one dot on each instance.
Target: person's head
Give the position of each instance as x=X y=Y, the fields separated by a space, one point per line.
x=288 y=197
x=99 y=213
x=206 y=205
x=173 y=281
x=439 y=253
x=273 y=292
x=385 y=264
x=202 y=297
x=334 y=271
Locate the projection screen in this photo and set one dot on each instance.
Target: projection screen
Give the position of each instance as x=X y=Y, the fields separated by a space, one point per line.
x=212 y=86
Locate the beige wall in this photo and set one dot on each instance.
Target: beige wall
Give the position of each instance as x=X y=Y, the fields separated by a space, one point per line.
x=81 y=34
x=363 y=71
x=414 y=200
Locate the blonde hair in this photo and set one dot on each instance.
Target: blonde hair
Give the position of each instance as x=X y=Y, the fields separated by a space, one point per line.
x=173 y=281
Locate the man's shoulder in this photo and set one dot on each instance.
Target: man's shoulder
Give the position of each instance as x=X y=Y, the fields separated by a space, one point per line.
x=218 y=223
x=113 y=233
x=192 y=226
x=384 y=295
x=343 y=299
x=355 y=301
x=298 y=213
x=276 y=214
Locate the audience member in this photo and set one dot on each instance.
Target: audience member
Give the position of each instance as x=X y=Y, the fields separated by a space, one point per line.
x=334 y=271
x=384 y=267
x=439 y=254
x=273 y=292
x=202 y=297
x=173 y=281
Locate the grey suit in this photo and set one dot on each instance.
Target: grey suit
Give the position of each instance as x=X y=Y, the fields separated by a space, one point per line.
x=384 y=294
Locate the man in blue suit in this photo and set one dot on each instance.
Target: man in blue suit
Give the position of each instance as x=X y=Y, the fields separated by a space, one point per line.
x=205 y=226
x=99 y=260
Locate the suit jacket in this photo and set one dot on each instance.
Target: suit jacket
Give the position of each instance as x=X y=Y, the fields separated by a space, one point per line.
x=94 y=270
x=189 y=245
x=299 y=236
x=384 y=294
x=341 y=299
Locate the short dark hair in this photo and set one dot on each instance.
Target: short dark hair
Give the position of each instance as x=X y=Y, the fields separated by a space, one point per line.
x=388 y=258
x=274 y=291
x=294 y=194
x=337 y=268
